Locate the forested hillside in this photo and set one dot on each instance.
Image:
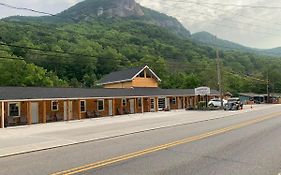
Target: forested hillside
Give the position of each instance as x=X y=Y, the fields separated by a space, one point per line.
x=79 y=53
x=212 y=40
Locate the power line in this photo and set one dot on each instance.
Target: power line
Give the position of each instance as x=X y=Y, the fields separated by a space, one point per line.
x=231 y=5
x=12 y=58
x=20 y=8
x=48 y=27
x=33 y=10
x=44 y=54
x=43 y=50
x=246 y=76
x=196 y=67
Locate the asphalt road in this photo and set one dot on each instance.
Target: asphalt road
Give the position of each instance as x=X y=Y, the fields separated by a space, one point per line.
x=241 y=148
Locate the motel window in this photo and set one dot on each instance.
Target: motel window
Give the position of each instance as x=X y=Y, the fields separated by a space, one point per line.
x=14 y=109
x=139 y=102
x=83 y=105
x=124 y=101
x=173 y=100
x=100 y=105
x=55 y=105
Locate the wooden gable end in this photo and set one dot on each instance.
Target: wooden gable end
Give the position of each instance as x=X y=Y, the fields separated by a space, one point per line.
x=145 y=79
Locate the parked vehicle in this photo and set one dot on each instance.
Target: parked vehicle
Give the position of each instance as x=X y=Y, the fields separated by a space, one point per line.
x=233 y=104
x=216 y=102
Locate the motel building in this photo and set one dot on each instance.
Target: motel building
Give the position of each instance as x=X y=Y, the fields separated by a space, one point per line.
x=131 y=91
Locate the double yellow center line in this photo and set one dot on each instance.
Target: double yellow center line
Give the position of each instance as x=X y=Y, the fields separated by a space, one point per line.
x=164 y=146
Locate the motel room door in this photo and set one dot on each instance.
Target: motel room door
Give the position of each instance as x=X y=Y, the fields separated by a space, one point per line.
x=110 y=108
x=180 y=101
x=34 y=112
x=67 y=114
x=132 y=106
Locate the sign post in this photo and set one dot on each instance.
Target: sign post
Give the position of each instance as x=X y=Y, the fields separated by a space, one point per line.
x=203 y=91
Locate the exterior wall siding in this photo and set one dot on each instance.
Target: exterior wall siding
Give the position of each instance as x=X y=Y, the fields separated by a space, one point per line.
x=144 y=82
x=119 y=85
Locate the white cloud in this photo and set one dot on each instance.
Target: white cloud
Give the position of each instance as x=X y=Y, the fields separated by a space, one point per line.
x=248 y=26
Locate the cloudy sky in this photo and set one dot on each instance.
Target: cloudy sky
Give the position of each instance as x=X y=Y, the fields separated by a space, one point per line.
x=254 y=27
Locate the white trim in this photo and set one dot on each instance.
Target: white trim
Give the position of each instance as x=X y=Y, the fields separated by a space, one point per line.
x=149 y=70
x=102 y=104
x=85 y=106
x=54 y=110
x=19 y=106
x=113 y=82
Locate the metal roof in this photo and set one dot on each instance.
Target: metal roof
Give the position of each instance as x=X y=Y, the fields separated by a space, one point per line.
x=125 y=75
x=26 y=93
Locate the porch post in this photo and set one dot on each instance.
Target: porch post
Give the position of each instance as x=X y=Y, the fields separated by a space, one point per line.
x=113 y=107
x=67 y=110
x=136 y=105
x=142 y=107
x=79 y=109
x=44 y=112
x=28 y=106
x=2 y=115
x=121 y=107
x=156 y=104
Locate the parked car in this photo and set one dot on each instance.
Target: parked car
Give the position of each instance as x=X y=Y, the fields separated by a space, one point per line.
x=233 y=104
x=216 y=102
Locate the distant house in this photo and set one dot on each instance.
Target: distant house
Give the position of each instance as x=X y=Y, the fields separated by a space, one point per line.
x=125 y=92
x=257 y=98
x=130 y=78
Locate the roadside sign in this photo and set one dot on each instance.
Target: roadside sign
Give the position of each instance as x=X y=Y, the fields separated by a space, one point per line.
x=202 y=91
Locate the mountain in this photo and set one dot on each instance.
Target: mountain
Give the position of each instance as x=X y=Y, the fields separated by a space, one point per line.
x=108 y=8
x=274 y=51
x=212 y=40
x=95 y=37
x=92 y=10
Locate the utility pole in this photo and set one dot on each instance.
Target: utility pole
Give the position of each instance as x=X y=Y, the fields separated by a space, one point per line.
x=267 y=88
x=219 y=77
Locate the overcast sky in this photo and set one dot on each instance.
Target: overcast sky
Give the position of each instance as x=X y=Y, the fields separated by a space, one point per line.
x=254 y=27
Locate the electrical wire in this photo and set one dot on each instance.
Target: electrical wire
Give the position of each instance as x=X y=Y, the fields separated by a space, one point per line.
x=44 y=50
x=231 y=5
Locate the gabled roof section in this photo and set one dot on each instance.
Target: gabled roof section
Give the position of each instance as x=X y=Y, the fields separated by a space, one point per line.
x=125 y=75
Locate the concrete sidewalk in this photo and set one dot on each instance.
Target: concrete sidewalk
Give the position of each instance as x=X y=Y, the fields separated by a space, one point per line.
x=24 y=139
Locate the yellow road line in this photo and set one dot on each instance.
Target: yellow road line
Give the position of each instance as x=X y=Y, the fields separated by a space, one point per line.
x=164 y=146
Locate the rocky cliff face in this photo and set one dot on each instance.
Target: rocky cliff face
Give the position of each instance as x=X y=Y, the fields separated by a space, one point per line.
x=104 y=8
x=124 y=8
